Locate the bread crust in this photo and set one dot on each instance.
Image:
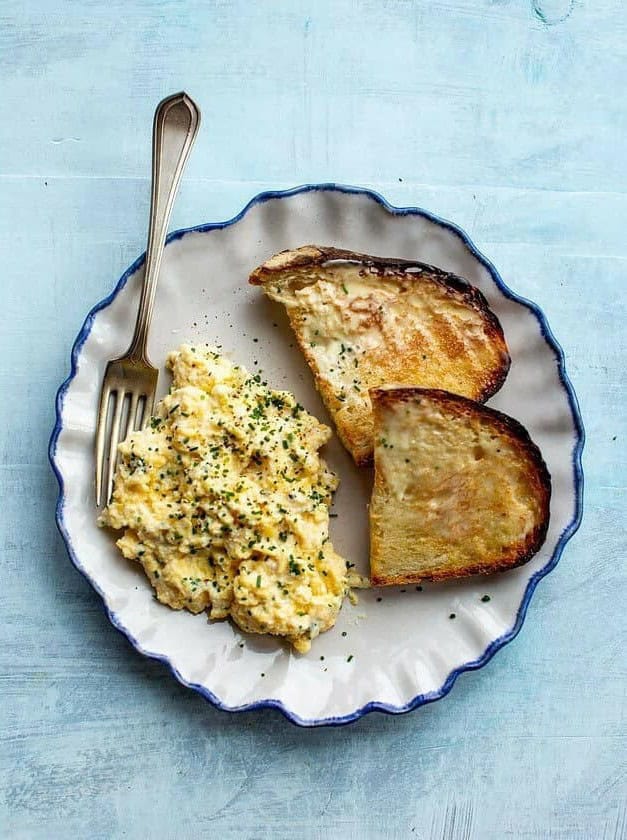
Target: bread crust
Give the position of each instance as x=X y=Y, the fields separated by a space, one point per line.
x=539 y=478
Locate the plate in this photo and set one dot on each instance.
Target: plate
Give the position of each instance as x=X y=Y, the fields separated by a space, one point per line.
x=398 y=648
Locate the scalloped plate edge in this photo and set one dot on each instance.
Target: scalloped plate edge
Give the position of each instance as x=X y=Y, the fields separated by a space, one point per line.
x=567 y=533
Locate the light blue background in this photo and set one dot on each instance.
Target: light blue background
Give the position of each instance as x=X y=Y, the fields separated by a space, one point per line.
x=506 y=116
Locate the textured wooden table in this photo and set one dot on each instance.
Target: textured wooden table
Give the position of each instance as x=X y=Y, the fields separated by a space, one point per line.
x=507 y=116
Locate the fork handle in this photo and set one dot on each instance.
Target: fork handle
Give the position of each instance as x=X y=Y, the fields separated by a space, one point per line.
x=173 y=133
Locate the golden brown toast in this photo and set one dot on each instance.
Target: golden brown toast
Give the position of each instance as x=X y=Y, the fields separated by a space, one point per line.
x=460 y=489
x=365 y=321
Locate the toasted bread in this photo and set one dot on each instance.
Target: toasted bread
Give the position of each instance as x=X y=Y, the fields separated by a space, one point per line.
x=365 y=321
x=460 y=489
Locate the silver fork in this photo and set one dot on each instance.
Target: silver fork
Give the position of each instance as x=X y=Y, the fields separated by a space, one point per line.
x=129 y=386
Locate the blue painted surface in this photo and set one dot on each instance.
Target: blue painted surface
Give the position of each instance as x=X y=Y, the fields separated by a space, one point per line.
x=504 y=116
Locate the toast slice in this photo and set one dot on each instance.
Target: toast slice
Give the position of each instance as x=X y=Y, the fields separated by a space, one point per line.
x=364 y=321
x=460 y=489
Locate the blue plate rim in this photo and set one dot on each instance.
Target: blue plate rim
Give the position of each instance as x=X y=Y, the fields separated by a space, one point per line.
x=567 y=533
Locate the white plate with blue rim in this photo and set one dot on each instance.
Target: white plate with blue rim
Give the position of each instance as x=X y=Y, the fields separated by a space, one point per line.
x=397 y=648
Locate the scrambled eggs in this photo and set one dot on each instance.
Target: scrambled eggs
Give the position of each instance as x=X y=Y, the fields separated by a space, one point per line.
x=224 y=500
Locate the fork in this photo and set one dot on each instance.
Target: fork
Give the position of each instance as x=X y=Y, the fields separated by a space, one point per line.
x=129 y=385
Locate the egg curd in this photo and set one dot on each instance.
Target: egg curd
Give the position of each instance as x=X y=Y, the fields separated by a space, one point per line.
x=224 y=500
